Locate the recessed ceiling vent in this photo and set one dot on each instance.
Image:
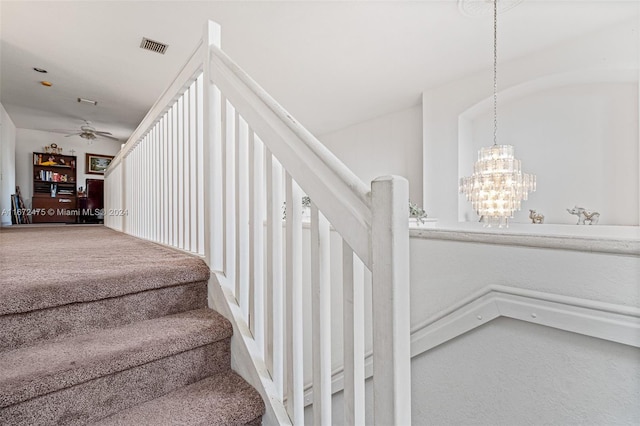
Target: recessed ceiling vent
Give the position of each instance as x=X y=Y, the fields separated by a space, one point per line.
x=154 y=46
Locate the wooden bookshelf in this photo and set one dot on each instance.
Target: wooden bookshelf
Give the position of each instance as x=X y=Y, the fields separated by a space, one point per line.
x=54 y=188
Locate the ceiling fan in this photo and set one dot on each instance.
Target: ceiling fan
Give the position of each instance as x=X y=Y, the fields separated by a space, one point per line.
x=87 y=131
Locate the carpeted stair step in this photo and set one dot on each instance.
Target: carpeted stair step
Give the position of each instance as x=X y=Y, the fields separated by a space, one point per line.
x=222 y=400
x=61 y=281
x=84 y=378
x=24 y=329
x=41 y=269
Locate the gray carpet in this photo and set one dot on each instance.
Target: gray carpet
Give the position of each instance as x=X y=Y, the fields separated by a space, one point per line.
x=42 y=267
x=99 y=326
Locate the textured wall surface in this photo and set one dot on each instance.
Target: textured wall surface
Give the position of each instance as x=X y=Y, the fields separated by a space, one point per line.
x=446 y=272
x=391 y=144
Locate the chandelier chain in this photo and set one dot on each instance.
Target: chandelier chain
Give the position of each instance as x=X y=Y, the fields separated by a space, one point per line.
x=495 y=72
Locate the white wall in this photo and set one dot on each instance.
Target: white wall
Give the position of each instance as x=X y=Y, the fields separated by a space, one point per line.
x=391 y=144
x=7 y=165
x=580 y=140
x=29 y=141
x=608 y=57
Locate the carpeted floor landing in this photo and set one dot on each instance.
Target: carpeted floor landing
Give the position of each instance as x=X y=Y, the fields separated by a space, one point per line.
x=100 y=327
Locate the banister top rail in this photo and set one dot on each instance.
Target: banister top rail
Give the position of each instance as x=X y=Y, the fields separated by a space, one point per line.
x=318 y=171
x=322 y=152
x=182 y=80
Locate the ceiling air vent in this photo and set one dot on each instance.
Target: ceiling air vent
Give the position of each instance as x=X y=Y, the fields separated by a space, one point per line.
x=154 y=46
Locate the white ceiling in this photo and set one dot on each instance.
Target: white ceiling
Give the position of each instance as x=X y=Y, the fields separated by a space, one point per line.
x=330 y=63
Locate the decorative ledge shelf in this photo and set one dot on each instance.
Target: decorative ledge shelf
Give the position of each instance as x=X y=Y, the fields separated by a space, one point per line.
x=622 y=240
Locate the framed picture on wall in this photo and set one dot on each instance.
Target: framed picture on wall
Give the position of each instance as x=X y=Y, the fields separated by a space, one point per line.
x=96 y=164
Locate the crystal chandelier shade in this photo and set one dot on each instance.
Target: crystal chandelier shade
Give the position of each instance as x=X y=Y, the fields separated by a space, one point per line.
x=498 y=186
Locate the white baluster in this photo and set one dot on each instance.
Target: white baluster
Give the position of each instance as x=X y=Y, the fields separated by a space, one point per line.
x=353 y=338
x=274 y=288
x=132 y=199
x=321 y=317
x=294 y=319
x=171 y=172
x=242 y=215
x=138 y=202
x=230 y=194
x=146 y=179
x=139 y=195
x=186 y=174
x=153 y=221
x=158 y=178
x=144 y=182
x=256 y=242
x=140 y=185
x=176 y=176
x=193 y=169
x=136 y=156
x=125 y=193
x=179 y=144
x=200 y=173
x=165 y=181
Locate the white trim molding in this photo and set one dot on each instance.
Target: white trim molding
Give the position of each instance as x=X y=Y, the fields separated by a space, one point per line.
x=615 y=323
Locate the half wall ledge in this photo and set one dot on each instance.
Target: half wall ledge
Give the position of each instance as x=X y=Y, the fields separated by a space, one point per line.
x=620 y=240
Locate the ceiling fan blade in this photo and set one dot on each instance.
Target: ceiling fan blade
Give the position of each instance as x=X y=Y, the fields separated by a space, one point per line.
x=62 y=130
x=73 y=134
x=97 y=132
x=107 y=137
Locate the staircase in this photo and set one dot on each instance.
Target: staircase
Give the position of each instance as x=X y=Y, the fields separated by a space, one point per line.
x=97 y=327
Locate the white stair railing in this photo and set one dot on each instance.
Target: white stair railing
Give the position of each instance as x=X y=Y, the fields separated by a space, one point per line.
x=209 y=170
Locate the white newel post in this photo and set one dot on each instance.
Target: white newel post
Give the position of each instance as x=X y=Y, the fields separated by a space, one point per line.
x=391 y=319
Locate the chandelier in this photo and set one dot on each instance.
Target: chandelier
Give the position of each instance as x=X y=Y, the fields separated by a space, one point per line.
x=498 y=186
